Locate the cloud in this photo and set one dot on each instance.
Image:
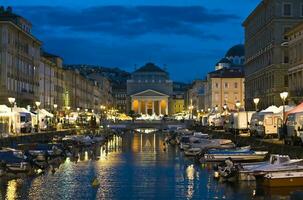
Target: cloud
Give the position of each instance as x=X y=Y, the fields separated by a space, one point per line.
x=129 y=21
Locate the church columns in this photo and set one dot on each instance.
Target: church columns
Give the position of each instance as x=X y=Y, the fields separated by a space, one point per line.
x=153 y=109
x=166 y=107
x=145 y=107
x=159 y=107
x=139 y=108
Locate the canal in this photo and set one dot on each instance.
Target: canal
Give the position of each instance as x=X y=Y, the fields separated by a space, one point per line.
x=135 y=166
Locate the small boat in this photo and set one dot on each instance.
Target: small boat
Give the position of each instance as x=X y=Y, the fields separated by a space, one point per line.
x=192 y=152
x=221 y=155
x=206 y=144
x=276 y=163
x=184 y=142
x=283 y=179
x=249 y=171
x=11 y=163
x=201 y=135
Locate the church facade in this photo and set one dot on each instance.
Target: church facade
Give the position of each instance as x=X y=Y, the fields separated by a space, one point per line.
x=149 y=91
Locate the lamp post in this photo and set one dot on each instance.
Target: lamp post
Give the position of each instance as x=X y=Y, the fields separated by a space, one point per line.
x=238 y=105
x=55 y=113
x=67 y=114
x=38 y=103
x=191 y=107
x=256 y=101
x=12 y=101
x=283 y=96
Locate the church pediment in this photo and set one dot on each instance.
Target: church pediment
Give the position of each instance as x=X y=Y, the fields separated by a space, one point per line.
x=149 y=93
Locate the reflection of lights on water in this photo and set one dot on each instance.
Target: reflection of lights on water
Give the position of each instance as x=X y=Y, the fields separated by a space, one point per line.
x=254 y=192
x=140 y=142
x=67 y=161
x=154 y=142
x=11 y=190
x=190 y=172
x=85 y=155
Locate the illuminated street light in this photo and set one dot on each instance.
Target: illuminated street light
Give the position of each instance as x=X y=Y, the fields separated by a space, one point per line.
x=11 y=100
x=78 y=109
x=55 y=113
x=283 y=96
x=256 y=101
x=225 y=106
x=38 y=103
x=238 y=105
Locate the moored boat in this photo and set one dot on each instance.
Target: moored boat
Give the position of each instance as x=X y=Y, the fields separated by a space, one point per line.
x=283 y=179
x=192 y=152
x=217 y=156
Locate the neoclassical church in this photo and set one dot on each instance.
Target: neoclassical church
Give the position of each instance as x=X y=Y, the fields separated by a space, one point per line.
x=149 y=90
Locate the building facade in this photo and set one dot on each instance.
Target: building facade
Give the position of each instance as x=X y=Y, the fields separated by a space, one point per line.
x=195 y=95
x=295 y=71
x=225 y=85
x=20 y=59
x=266 y=54
x=119 y=97
x=149 y=91
x=51 y=83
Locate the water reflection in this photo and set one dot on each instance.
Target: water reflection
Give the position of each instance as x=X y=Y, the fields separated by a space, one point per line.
x=135 y=166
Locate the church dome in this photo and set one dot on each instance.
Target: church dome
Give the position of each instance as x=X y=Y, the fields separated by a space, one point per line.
x=237 y=50
x=150 y=67
x=224 y=61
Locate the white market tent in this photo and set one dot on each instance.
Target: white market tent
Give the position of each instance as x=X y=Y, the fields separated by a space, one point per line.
x=273 y=109
x=44 y=113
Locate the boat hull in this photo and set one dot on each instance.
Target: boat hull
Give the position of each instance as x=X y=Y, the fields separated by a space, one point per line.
x=234 y=157
x=283 y=182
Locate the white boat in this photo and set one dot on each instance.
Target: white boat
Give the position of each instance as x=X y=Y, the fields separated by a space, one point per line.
x=283 y=179
x=276 y=163
x=201 y=135
x=235 y=156
x=205 y=144
x=192 y=151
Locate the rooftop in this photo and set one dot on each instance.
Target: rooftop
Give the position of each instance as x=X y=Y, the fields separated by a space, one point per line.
x=150 y=67
x=233 y=72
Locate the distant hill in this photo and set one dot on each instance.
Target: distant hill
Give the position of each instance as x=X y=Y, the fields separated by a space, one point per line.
x=116 y=76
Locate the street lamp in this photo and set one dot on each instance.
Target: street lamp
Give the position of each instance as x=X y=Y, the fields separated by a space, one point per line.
x=238 y=105
x=283 y=96
x=12 y=100
x=191 y=107
x=55 y=113
x=256 y=101
x=38 y=103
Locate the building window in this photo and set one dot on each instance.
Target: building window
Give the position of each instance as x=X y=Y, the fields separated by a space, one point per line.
x=236 y=85
x=225 y=85
x=287 y=9
x=217 y=85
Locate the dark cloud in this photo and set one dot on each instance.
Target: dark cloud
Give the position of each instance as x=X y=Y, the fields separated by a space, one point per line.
x=129 y=21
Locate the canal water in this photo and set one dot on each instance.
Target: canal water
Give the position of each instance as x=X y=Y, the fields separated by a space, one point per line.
x=136 y=166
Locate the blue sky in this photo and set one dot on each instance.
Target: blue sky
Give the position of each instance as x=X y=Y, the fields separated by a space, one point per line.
x=186 y=36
